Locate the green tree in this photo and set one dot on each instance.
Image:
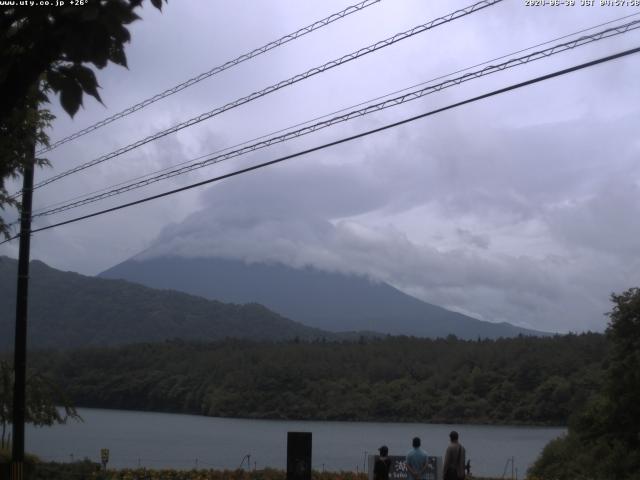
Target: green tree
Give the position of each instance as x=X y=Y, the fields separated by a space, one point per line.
x=604 y=438
x=42 y=396
x=46 y=49
x=623 y=380
x=16 y=143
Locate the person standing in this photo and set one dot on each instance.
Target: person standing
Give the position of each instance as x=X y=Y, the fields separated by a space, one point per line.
x=383 y=464
x=417 y=462
x=453 y=467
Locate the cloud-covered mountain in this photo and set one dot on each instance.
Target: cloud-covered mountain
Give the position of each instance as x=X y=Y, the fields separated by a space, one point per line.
x=524 y=208
x=68 y=310
x=326 y=300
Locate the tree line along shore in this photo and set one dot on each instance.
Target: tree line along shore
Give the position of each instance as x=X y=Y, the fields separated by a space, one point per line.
x=524 y=380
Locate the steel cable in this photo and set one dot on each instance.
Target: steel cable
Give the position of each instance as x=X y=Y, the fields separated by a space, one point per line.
x=345 y=139
x=275 y=87
x=413 y=95
x=215 y=70
x=148 y=175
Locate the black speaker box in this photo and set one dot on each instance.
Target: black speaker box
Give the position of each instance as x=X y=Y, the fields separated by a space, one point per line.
x=298 y=456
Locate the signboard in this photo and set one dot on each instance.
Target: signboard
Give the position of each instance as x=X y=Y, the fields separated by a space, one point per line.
x=398 y=470
x=104 y=457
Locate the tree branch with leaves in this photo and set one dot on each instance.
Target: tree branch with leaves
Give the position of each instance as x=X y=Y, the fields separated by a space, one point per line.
x=46 y=403
x=53 y=50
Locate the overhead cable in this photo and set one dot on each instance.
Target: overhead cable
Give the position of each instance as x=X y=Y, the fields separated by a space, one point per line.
x=307 y=122
x=275 y=87
x=406 y=97
x=344 y=139
x=215 y=70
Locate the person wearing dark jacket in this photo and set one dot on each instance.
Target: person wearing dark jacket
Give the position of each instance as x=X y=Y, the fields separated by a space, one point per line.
x=382 y=465
x=453 y=467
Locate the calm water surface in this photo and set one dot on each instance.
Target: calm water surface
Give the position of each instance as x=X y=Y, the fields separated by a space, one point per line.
x=187 y=441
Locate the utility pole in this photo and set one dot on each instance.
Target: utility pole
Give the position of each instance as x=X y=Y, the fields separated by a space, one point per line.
x=20 y=348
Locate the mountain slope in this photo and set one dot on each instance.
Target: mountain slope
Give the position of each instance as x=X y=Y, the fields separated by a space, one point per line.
x=70 y=310
x=330 y=301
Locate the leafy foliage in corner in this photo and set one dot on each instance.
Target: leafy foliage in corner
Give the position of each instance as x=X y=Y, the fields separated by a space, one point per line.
x=42 y=398
x=16 y=147
x=604 y=437
x=58 y=43
x=522 y=380
x=50 y=48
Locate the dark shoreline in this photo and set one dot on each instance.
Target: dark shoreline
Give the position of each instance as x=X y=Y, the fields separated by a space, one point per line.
x=269 y=419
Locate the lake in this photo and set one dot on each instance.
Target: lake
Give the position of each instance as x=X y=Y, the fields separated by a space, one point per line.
x=188 y=441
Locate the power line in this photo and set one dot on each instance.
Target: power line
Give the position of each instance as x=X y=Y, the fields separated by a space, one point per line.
x=346 y=139
x=45 y=210
x=70 y=203
x=285 y=83
x=214 y=71
x=414 y=95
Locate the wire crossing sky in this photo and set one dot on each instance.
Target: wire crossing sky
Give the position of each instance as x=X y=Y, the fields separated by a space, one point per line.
x=343 y=140
x=399 y=100
x=214 y=71
x=282 y=84
x=155 y=174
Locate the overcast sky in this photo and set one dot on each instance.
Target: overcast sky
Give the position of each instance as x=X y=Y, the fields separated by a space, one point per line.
x=522 y=208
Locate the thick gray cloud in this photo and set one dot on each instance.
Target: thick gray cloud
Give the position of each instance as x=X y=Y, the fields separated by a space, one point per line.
x=523 y=208
x=513 y=242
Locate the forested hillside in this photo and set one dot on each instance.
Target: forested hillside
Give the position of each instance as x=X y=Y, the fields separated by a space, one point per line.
x=522 y=380
x=69 y=310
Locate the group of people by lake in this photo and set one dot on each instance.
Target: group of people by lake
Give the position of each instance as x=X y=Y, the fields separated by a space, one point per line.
x=418 y=465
